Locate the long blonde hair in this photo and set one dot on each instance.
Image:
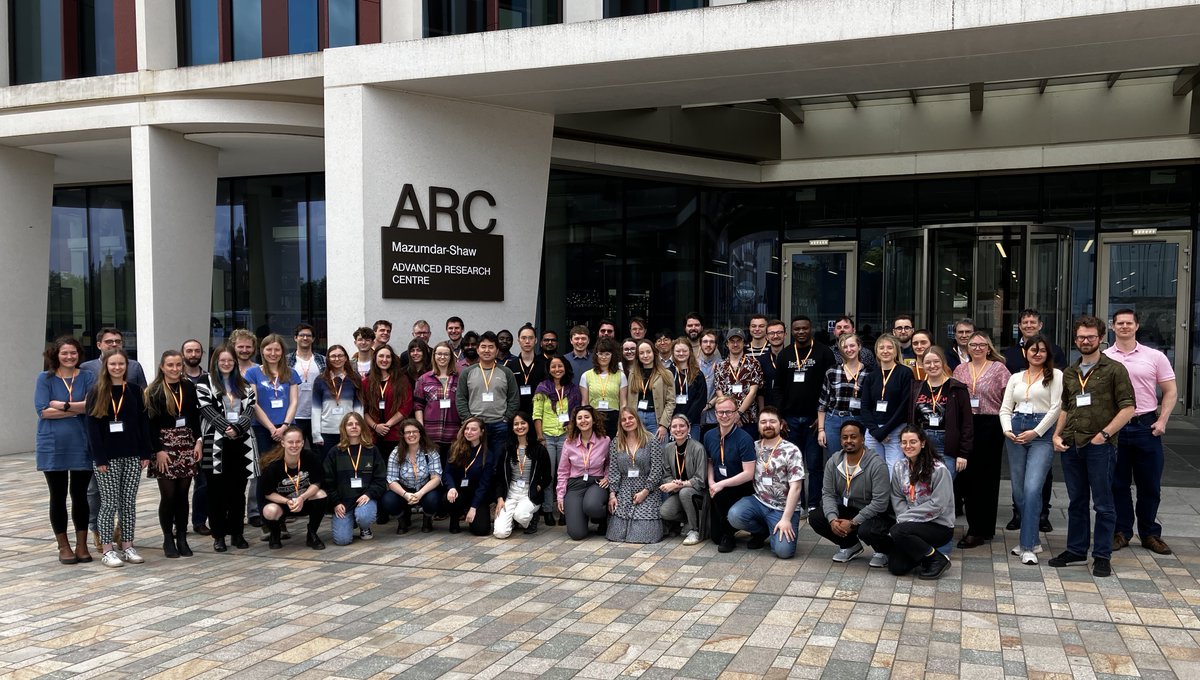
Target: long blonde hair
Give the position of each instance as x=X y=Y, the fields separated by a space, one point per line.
x=102 y=390
x=640 y=434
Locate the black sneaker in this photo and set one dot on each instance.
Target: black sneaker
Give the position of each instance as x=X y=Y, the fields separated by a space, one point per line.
x=1013 y=524
x=726 y=544
x=934 y=566
x=1101 y=567
x=757 y=541
x=1045 y=526
x=1067 y=559
x=256 y=521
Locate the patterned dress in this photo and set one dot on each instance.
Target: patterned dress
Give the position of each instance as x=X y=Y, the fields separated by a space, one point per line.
x=737 y=383
x=627 y=475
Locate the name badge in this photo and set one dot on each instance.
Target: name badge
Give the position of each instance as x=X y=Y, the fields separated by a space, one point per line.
x=798 y=376
x=521 y=483
x=974 y=402
x=735 y=389
x=855 y=404
x=644 y=405
x=276 y=403
x=443 y=404
x=231 y=416
x=305 y=387
x=465 y=483
x=181 y=422
x=489 y=396
x=116 y=426
x=767 y=481
x=721 y=469
x=526 y=390
x=602 y=405
x=1025 y=407
x=1083 y=399
x=935 y=421
x=846 y=501
x=564 y=418
x=881 y=407
x=356 y=482
x=382 y=404
x=337 y=410
x=634 y=473
x=585 y=476
x=681 y=399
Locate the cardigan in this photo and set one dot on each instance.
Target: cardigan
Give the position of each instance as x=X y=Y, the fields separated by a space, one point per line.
x=955 y=410
x=537 y=457
x=214 y=407
x=896 y=392
x=133 y=439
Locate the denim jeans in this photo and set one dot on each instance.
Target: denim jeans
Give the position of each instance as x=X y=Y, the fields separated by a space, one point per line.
x=833 y=433
x=1139 y=461
x=497 y=439
x=1087 y=470
x=802 y=433
x=750 y=514
x=1029 y=464
x=889 y=450
x=343 y=527
x=554 y=446
x=649 y=420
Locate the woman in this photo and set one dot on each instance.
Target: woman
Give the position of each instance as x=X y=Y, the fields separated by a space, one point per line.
x=653 y=390
x=684 y=479
x=468 y=479
x=628 y=355
x=174 y=412
x=635 y=469
x=604 y=387
x=1028 y=414
x=923 y=499
x=740 y=378
x=119 y=438
x=355 y=476
x=583 y=473
x=941 y=409
x=420 y=360
x=291 y=485
x=921 y=341
x=434 y=398
x=986 y=378
x=59 y=397
x=388 y=398
x=277 y=391
x=230 y=452
x=841 y=394
x=522 y=477
x=691 y=387
x=555 y=399
x=414 y=477
x=338 y=391
x=885 y=400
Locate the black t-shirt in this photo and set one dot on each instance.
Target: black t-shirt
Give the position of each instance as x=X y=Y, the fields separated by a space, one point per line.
x=930 y=406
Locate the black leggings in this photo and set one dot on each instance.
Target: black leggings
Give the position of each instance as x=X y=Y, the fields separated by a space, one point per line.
x=74 y=482
x=226 y=502
x=173 y=505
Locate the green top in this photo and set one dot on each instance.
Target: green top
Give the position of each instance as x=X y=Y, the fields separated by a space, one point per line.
x=547 y=412
x=605 y=388
x=1108 y=385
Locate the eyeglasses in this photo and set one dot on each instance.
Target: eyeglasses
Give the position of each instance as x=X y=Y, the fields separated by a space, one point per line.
x=902 y=328
x=1087 y=338
x=113 y=342
x=304 y=336
x=774 y=332
x=978 y=345
x=726 y=412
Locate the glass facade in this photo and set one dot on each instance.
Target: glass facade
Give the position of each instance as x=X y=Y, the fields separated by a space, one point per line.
x=213 y=31
x=624 y=8
x=455 y=17
x=53 y=40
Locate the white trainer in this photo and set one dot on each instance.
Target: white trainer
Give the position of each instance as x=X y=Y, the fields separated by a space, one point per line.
x=692 y=538
x=131 y=556
x=112 y=559
x=1018 y=551
x=1028 y=557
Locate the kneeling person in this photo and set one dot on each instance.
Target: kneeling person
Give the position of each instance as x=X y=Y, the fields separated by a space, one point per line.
x=856 y=499
x=923 y=498
x=291 y=485
x=778 y=479
x=355 y=472
x=521 y=479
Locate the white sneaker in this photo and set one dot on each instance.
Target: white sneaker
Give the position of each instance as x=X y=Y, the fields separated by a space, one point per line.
x=365 y=534
x=1028 y=557
x=692 y=538
x=131 y=556
x=879 y=560
x=847 y=554
x=1017 y=550
x=112 y=558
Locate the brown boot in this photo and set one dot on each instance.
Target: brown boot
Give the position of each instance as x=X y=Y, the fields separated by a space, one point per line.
x=65 y=554
x=81 y=549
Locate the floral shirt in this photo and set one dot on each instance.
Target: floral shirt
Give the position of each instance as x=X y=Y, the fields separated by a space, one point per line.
x=774 y=471
x=737 y=383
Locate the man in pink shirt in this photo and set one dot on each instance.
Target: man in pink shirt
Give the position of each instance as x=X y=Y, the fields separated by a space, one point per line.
x=1139 y=448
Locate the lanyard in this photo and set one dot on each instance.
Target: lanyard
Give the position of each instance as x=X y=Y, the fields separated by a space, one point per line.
x=918 y=371
x=357 y=457
x=487 y=377
x=415 y=467
x=767 y=458
x=559 y=390
x=275 y=385
x=736 y=374
x=384 y=387
x=935 y=396
x=588 y=455
x=116 y=412
x=912 y=492
x=526 y=372
x=1083 y=381
x=680 y=459
x=604 y=385
x=887 y=375
x=800 y=364
x=975 y=377
x=341 y=382
x=295 y=480
x=178 y=400
x=230 y=397
x=722 y=450
x=473 y=459
x=1030 y=383
x=850 y=474
x=681 y=383
x=70 y=385
x=853 y=378
x=646 y=382
x=521 y=460
x=304 y=368
x=445 y=380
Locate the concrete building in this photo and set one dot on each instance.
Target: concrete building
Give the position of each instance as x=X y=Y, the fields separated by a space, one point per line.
x=179 y=169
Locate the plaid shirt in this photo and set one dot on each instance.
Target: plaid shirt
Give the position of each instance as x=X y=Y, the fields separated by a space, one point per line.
x=400 y=470
x=839 y=389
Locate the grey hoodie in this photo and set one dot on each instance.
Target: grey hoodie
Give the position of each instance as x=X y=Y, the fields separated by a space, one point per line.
x=870 y=488
x=933 y=502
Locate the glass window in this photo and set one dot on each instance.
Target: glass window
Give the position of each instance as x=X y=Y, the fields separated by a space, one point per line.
x=36 y=31
x=223 y=304
x=523 y=13
x=1146 y=197
x=624 y=8
x=454 y=17
x=661 y=250
x=1069 y=195
x=314 y=297
x=67 y=312
x=247 y=29
x=199 y=35
x=741 y=272
x=887 y=203
x=1009 y=197
x=944 y=201
x=582 y=261
x=343 y=23
x=97 y=34
x=302 y=26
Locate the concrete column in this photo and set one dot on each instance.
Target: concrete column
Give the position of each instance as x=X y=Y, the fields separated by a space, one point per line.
x=27 y=193
x=5 y=44
x=378 y=140
x=157 y=42
x=582 y=10
x=402 y=20
x=174 y=206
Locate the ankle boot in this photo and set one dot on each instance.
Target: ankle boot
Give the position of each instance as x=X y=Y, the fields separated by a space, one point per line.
x=273 y=531
x=169 y=549
x=314 y=541
x=181 y=543
x=454 y=528
x=427 y=524
x=533 y=522
x=548 y=518
x=81 y=548
x=65 y=554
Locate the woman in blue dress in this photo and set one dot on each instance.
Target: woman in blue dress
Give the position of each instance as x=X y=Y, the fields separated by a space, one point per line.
x=62 y=452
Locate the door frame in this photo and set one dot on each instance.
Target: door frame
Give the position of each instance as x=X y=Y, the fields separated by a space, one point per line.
x=1183 y=299
x=849 y=247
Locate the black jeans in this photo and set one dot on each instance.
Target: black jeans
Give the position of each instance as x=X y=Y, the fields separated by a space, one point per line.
x=314 y=508
x=873 y=532
x=226 y=502
x=721 y=503
x=911 y=543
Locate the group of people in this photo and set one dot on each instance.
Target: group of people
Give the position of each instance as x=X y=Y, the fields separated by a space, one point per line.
x=641 y=437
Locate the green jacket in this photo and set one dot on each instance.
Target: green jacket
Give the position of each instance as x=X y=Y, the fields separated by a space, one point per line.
x=1110 y=390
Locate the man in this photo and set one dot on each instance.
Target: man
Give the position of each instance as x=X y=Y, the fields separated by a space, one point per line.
x=489 y=391
x=1097 y=401
x=1140 y=449
x=364 y=344
x=454 y=333
x=800 y=377
x=845 y=325
x=758 y=336
x=730 y=470
x=245 y=345
x=662 y=347
x=958 y=349
x=856 y=500
x=528 y=367
x=769 y=361
x=1030 y=324
x=112 y=338
x=778 y=480
x=637 y=328
x=383 y=333
x=606 y=329
x=740 y=377
x=903 y=328
x=504 y=344
x=549 y=344
x=420 y=331
x=579 y=356
x=468 y=348
x=308 y=366
x=193 y=362
x=708 y=357
x=693 y=326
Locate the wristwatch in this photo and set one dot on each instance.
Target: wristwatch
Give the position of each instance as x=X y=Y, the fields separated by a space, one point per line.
x=1106 y=435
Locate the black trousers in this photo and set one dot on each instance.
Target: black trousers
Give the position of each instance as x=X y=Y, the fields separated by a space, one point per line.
x=226 y=502
x=313 y=508
x=482 y=524
x=873 y=532
x=982 y=483
x=911 y=543
x=61 y=484
x=721 y=503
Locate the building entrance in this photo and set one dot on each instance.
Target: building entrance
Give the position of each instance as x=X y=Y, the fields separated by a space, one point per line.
x=987 y=272
x=820 y=280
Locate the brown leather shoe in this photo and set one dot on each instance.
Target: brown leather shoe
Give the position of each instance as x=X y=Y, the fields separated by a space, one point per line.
x=1155 y=544
x=1119 y=541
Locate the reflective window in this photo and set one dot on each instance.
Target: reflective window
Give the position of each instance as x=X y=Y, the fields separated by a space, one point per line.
x=582 y=267
x=247 y=29
x=945 y=201
x=455 y=17
x=37 y=41
x=624 y=8
x=741 y=266
x=199 y=33
x=302 y=26
x=661 y=248
x=97 y=35
x=1146 y=197
x=343 y=23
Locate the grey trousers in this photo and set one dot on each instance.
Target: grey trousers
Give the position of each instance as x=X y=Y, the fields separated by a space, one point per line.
x=681 y=507
x=584 y=501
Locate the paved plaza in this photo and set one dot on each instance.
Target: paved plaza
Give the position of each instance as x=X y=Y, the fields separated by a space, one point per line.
x=436 y=605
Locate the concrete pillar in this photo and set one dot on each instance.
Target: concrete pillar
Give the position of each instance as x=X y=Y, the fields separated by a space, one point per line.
x=378 y=140
x=174 y=206
x=157 y=43
x=402 y=20
x=26 y=193
x=5 y=44
x=582 y=10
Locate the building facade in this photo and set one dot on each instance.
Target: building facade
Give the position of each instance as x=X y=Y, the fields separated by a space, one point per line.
x=190 y=167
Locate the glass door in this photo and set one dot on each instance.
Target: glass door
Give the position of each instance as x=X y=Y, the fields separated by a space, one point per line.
x=1047 y=286
x=819 y=281
x=1144 y=273
x=905 y=277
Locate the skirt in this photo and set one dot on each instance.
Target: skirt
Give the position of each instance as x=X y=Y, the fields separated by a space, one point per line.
x=180 y=445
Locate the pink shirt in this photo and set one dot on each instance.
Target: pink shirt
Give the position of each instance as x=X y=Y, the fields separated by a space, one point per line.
x=988 y=387
x=572 y=461
x=1147 y=368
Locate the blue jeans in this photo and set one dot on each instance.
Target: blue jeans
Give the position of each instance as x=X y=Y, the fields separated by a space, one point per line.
x=554 y=446
x=497 y=439
x=1029 y=464
x=1087 y=470
x=649 y=420
x=343 y=527
x=802 y=433
x=695 y=433
x=1139 y=461
x=833 y=433
x=890 y=450
x=750 y=514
